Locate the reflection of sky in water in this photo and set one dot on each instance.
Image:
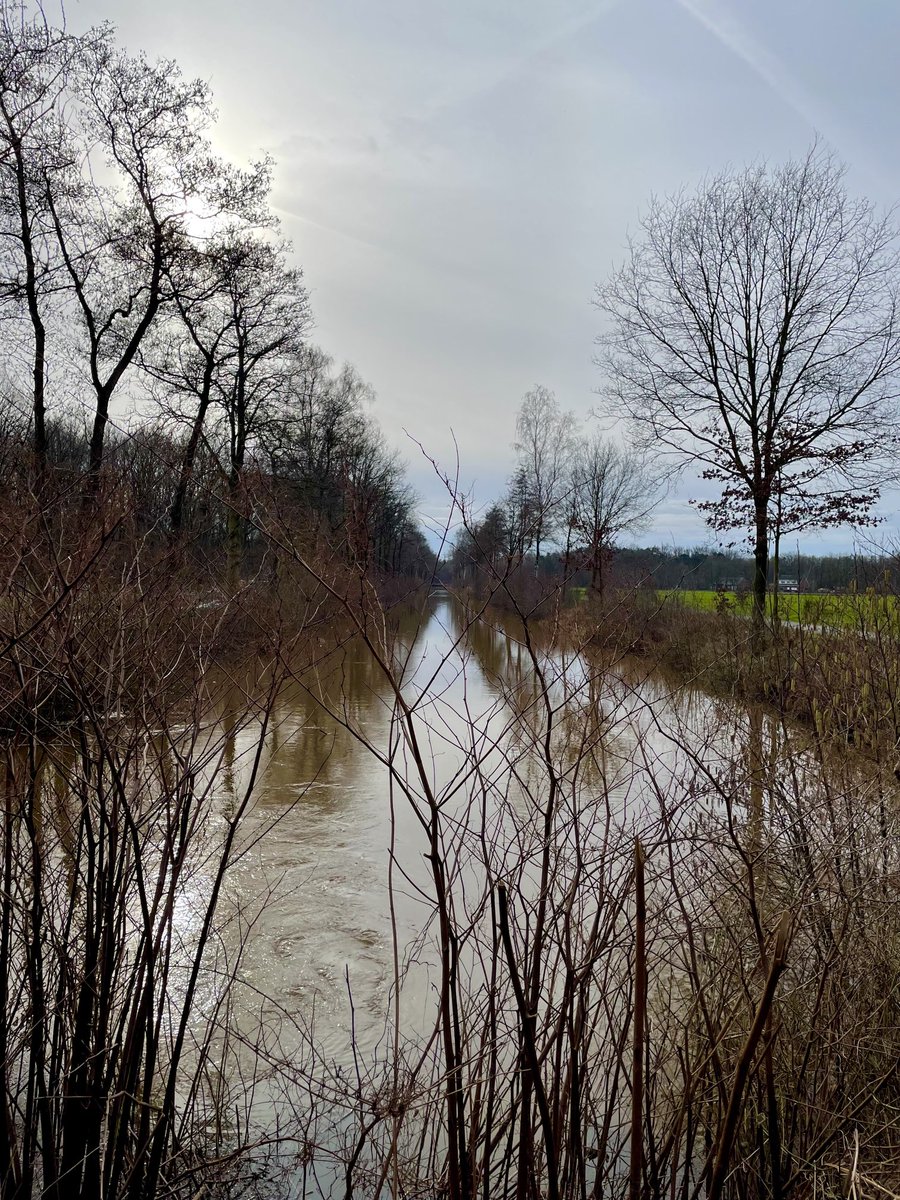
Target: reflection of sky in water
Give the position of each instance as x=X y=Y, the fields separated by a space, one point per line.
x=315 y=872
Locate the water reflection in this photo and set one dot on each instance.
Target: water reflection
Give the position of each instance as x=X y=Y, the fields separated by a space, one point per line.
x=325 y=926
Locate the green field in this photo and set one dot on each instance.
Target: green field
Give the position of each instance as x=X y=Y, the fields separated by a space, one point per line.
x=862 y=610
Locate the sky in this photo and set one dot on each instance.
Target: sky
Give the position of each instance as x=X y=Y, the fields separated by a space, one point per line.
x=456 y=176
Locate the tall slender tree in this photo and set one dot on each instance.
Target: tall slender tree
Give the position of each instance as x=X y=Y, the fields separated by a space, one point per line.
x=268 y=308
x=545 y=436
x=36 y=151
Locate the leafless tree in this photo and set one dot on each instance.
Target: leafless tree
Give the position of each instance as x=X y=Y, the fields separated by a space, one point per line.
x=319 y=424
x=613 y=491
x=754 y=331
x=36 y=62
x=268 y=310
x=239 y=311
x=545 y=436
x=146 y=176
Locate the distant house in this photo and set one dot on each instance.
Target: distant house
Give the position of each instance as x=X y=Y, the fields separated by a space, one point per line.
x=788 y=584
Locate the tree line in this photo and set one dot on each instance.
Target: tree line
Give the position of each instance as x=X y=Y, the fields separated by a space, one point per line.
x=706 y=568
x=137 y=265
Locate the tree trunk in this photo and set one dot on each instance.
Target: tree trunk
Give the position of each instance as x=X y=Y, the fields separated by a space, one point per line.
x=597 y=581
x=40 y=427
x=776 y=558
x=176 y=512
x=34 y=312
x=760 y=565
x=234 y=542
x=98 y=435
x=39 y=361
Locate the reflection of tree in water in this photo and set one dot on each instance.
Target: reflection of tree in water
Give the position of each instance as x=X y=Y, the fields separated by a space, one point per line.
x=759 y=772
x=495 y=641
x=308 y=740
x=576 y=687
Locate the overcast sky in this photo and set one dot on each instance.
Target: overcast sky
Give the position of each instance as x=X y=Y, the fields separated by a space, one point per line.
x=457 y=175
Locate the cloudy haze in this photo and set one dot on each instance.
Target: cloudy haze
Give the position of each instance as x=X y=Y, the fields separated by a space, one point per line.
x=456 y=177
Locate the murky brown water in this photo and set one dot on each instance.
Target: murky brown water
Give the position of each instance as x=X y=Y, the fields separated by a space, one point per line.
x=316 y=883
x=332 y=898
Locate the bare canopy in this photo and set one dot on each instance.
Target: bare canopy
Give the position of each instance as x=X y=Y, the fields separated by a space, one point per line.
x=545 y=436
x=612 y=491
x=754 y=331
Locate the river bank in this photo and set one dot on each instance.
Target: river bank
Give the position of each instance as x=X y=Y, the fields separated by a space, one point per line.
x=840 y=681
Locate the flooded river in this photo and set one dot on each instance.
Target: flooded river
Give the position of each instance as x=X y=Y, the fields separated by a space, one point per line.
x=336 y=877
x=385 y=905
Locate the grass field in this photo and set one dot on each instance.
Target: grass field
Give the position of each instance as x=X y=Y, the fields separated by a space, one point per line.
x=862 y=611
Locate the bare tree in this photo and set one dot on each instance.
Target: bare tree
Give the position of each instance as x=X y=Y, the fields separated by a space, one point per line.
x=269 y=314
x=754 y=331
x=143 y=128
x=613 y=491
x=183 y=357
x=36 y=61
x=319 y=423
x=545 y=436
x=200 y=359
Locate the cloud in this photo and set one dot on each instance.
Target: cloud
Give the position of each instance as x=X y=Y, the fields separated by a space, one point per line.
x=727 y=28
x=349 y=147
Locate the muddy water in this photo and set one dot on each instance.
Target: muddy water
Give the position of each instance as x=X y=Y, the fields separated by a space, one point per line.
x=322 y=945
x=334 y=882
